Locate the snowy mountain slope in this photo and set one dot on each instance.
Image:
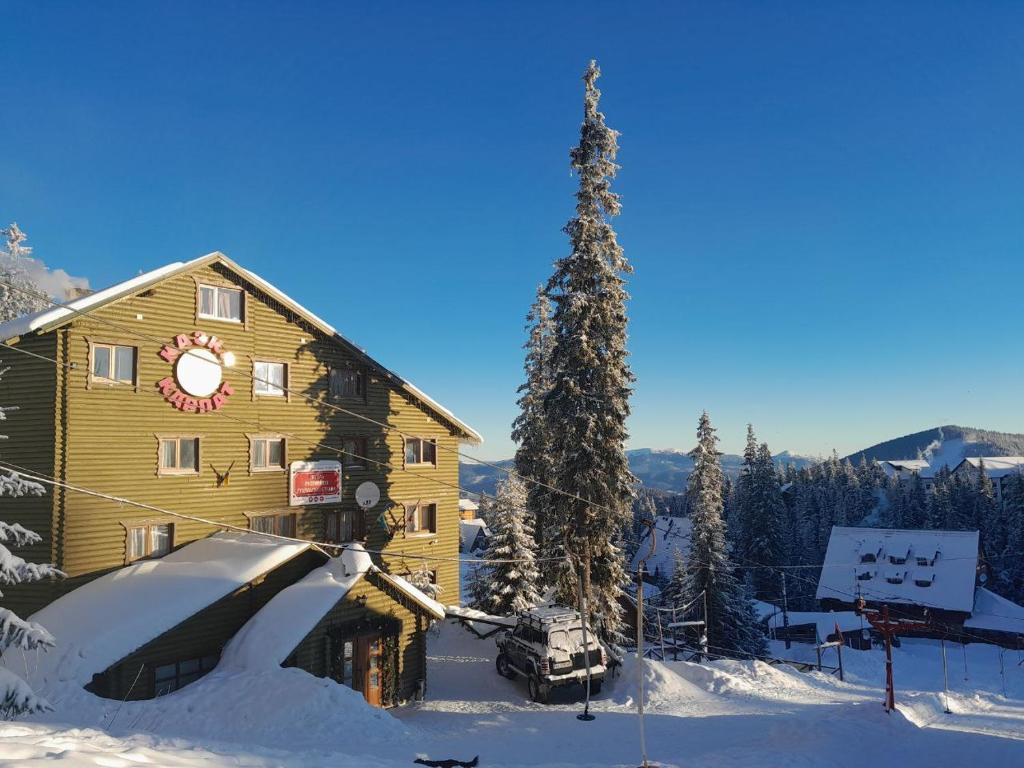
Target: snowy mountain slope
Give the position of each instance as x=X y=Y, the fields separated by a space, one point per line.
x=671 y=533
x=664 y=470
x=945 y=445
x=726 y=714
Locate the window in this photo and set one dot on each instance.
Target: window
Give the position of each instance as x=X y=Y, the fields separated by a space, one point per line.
x=280 y=525
x=868 y=557
x=267 y=453
x=897 y=560
x=177 y=674
x=421 y=518
x=864 y=576
x=420 y=451
x=218 y=303
x=340 y=525
x=925 y=581
x=346 y=656
x=896 y=578
x=153 y=540
x=353 y=450
x=179 y=456
x=347 y=382
x=113 y=364
x=269 y=379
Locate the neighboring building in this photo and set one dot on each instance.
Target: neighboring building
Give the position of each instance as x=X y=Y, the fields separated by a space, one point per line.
x=201 y=389
x=905 y=469
x=474 y=536
x=1000 y=469
x=922 y=574
x=468 y=509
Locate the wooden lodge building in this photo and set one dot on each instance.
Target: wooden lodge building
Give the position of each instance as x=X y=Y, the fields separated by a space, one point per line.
x=199 y=389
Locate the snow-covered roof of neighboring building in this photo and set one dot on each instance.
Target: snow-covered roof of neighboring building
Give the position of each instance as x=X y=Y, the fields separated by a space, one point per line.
x=860 y=562
x=996 y=466
x=468 y=505
x=764 y=610
x=273 y=633
x=911 y=465
x=56 y=316
x=995 y=613
x=472 y=528
x=103 y=621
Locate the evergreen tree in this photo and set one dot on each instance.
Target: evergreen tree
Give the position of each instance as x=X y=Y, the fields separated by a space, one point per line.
x=530 y=428
x=674 y=593
x=589 y=399
x=739 y=533
x=985 y=511
x=915 y=512
x=19 y=294
x=765 y=522
x=16 y=697
x=940 y=503
x=962 y=494
x=732 y=626
x=1011 y=565
x=513 y=578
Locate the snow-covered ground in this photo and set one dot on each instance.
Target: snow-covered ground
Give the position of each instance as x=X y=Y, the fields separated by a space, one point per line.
x=724 y=714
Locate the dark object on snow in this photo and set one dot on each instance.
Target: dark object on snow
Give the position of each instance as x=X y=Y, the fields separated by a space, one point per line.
x=448 y=763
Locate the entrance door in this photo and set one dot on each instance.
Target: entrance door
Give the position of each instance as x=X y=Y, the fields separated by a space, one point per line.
x=369 y=656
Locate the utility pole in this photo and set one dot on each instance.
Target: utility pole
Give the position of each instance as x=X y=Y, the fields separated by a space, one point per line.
x=888 y=628
x=785 y=611
x=585 y=715
x=641 y=564
x=945 y=677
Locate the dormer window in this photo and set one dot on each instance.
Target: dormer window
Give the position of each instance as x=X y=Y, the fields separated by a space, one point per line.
x=868 y=557
x=897 y=560
x=894 y=578
x=864 y=576
x=925 y=580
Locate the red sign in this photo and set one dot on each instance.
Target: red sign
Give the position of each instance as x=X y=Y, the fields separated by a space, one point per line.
x=315 y=482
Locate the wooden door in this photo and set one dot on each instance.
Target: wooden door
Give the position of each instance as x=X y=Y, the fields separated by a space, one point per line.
x=369 y=658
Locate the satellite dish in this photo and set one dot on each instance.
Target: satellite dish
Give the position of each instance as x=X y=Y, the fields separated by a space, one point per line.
x=367 y=495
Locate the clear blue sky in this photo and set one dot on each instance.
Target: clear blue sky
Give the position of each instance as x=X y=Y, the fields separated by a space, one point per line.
x=824 y=202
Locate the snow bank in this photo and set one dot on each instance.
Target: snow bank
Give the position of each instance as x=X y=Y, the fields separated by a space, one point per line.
x=268 y=637
x=108 y=618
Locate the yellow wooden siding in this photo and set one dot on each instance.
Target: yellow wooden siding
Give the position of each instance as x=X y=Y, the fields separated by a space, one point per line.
x=105 y=437
x=30 y=384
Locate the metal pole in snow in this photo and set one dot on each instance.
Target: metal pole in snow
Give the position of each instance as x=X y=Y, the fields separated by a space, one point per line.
x=1002 y=674
x=785 y=611
x=640 y=658
x=585 y=715
x=945 y=676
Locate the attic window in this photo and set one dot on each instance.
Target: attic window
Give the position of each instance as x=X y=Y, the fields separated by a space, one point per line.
x=897 y=560
x=924 y=581
x=896 y=578
x=925 y=561
x=217 y=303
x=864 y=576
x=868 y=557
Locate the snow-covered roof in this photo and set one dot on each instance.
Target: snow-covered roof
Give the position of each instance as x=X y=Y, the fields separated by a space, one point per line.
x=468 y=505
x=764 y=610
x=103 y=621
x=996 y=466
x=860 y=562
x=473 y=528
x=273 y=633
x=995 y=613
x=424 y=601
x=56 y=316
x=893 y=467
x=671 y=533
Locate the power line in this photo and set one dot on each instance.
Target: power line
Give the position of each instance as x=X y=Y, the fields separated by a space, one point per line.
x=51 y=481
x=135 y=333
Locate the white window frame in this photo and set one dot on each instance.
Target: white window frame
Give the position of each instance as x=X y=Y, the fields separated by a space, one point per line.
x=217 y=289
x=414 y=522
x=177 y=470
x=109 y=380
x=131 y=557
x=419 y=453
x=266 y=440
x=261 y=386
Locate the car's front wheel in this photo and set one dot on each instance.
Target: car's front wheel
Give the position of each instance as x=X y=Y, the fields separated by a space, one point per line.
x=538 y=691
x=504 y=669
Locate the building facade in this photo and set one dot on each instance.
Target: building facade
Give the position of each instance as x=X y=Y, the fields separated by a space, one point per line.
x=202 y=390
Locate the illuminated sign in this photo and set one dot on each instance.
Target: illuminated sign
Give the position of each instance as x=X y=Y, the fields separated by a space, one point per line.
x=314 y=482
x=197 y=384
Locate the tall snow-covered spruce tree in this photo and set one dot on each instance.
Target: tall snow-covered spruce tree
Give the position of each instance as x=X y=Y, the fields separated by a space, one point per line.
x=530 y=428
x=589 y=399
x=17 y=634
x=732 y=627
x=19 y=294
x=512 y=579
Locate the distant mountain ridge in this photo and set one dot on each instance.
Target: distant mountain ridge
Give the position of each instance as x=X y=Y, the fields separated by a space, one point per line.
x=660 y=469
x=947 y=445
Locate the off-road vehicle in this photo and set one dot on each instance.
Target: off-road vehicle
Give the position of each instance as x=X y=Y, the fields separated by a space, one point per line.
x=546 y=647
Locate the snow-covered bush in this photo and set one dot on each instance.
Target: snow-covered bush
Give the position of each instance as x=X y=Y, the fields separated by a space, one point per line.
x=19 y=295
